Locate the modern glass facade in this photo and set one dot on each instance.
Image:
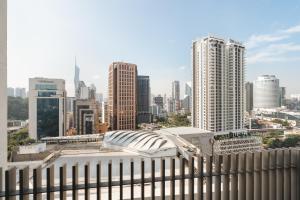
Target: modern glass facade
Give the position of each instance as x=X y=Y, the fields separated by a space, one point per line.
x=47 y=117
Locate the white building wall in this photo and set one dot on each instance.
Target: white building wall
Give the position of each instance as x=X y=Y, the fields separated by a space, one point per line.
x=3 y=83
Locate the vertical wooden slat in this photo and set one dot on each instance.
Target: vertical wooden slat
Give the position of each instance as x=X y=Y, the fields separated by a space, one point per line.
x=191 y=179
x=1 y=182
x=162 y=175
x=86 y=181
x=121 y=179
x=234 y=176
x=287 y=175
x=50 y=183
x=257 y=176
x=200 y=177
x=99 y=181
x=131 y=180
x=24 y=183
x=279 y=174
x=294 y=154
x=153 y=179
x=182 y=178
x=142 y=179
x=249 y=176
x=272 y=175
x=75 y=182
x=298 y=173
x=110 y=180
x=218 y=177
x=208 y=165
x=242 y=176
x=172 y=182
x=63 y=181
x=37 y=183
x=265 y=175
x=10 y=183
x=226 y=177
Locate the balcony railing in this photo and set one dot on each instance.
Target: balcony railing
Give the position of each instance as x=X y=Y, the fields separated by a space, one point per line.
x=272 y=174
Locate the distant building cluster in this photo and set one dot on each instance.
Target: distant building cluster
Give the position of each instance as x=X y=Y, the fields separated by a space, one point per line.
x=16 y=92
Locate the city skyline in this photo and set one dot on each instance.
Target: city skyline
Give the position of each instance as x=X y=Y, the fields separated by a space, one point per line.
x=158 y=48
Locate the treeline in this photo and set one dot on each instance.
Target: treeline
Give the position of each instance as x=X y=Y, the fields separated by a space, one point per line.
x=17 y=108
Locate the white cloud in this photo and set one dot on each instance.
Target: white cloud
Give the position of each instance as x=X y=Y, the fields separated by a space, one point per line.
x=274 y=52
x=256 y=40
x=294 y=29
x=265 y=47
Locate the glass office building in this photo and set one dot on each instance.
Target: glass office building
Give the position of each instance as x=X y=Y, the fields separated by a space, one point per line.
x=47 y=108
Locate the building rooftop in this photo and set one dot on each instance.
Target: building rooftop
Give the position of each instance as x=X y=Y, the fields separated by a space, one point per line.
x=146 y=143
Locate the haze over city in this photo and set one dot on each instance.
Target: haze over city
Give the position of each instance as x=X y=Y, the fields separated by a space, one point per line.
x=155 y=36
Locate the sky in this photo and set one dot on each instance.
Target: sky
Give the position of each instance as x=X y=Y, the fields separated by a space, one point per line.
x=45 y=36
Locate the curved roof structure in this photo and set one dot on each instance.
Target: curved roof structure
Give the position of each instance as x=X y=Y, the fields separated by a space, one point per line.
x=147 y=143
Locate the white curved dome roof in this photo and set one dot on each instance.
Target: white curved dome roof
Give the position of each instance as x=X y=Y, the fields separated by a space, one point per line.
x=143 y=142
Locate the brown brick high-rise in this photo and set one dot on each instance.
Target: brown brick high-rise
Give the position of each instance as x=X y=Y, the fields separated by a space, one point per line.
x=122 y=96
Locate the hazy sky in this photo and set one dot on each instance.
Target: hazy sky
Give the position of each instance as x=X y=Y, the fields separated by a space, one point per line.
x=44 y=36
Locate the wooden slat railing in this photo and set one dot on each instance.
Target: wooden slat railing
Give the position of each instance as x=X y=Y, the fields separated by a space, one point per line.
x=265 y=175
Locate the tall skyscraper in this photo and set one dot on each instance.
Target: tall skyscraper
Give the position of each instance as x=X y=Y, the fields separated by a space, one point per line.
x=47 y=107
x=143 y=99
x=266 y=92
x=76 y=79
x=282 y=96
x=218 y=84
x=20 y=92
x=10 y=92
x=176 y=94
x=3 y=83
x=249 y=96
x=187 y=100
x=122 y=100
